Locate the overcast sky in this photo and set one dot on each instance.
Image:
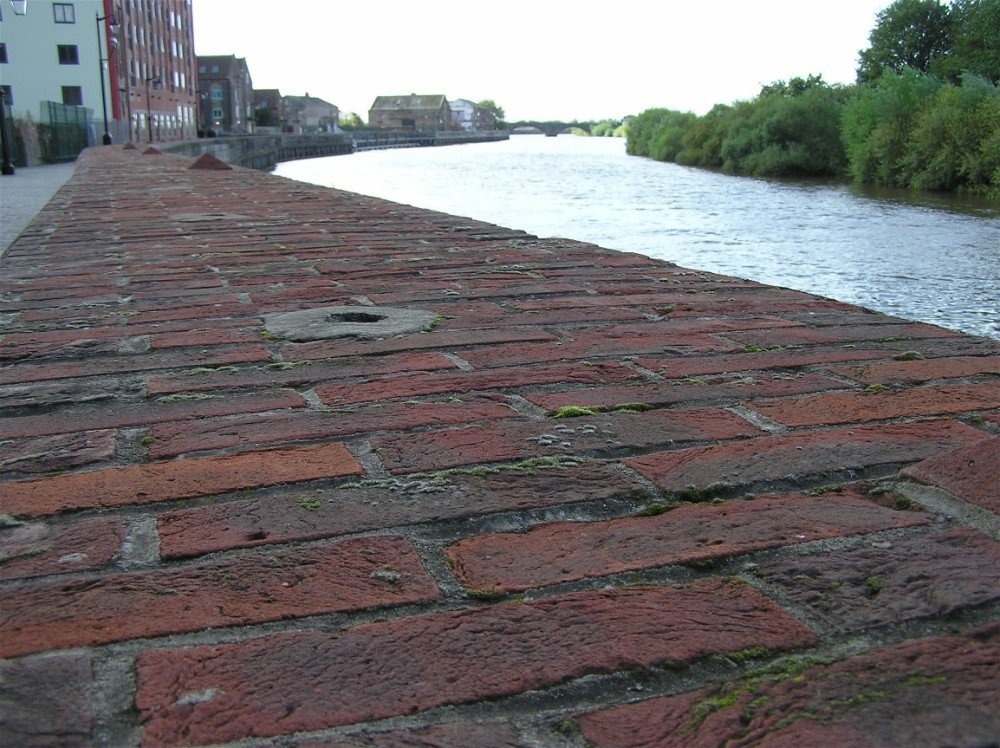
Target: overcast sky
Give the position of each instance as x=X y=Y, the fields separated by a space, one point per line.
x=538 y=59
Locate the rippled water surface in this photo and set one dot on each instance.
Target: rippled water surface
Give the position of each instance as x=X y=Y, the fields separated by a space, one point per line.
x=924 y=257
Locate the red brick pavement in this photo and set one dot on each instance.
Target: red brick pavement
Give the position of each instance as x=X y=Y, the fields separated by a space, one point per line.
x=600 y=500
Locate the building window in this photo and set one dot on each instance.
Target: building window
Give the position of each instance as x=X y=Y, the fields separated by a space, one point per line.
x=68 y=54
x=72 y=95
x=64 y=12
x=3 y=52
x=215 y=69
x=216 y=114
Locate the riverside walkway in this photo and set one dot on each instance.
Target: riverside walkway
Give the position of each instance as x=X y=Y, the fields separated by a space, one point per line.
x=283 y=465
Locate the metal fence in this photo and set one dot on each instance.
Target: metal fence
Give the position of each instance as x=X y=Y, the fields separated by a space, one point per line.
x=63 y=131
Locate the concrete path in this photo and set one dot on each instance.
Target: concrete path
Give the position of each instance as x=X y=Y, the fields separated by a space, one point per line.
x=588 y=498
x=25 y=193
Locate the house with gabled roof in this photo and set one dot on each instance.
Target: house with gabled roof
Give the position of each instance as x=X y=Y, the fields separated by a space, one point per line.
x=413 y=112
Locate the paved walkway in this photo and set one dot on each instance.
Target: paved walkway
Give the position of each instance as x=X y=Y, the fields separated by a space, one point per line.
x=24 y=194
x=588 y=498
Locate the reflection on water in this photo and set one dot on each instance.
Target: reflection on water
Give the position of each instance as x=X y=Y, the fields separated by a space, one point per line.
x=928 y=257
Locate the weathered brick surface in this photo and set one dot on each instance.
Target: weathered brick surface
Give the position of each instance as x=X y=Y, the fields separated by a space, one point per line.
x=209 y=536
x=674 y=393
x=263 y=586
x=248 y=431
x=222 y=693
x=927 y=692
x=433 y=384
x=169 y=481
x=602 y=434
x=568 y=551
x=791 y=456
x=46 y=701
x=969 y=472
x=32 y=549
x=46 y=454
x=319 y=513
x=838 y=407
x=889 y=582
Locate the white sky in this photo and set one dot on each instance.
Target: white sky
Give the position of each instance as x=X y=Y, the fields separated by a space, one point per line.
x=538 y=59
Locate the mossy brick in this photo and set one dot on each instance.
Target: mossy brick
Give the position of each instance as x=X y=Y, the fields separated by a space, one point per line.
x=275 y=685
x=252 y=588
x=969 y=472
x=891 y=582
x=676 y=393
x=445 y=339
x=918 y=369
x=925 y=692
x=32 y=549
x=434 y=384
x=289 y=374
x=296 y=515
x=858 y=407
x=124 y=364
x=444 y=735
x=792 y=456
x=47 y=701
x=179 y=479
x=112 y=415
x=602 y=434
x=183 y=437
x=569 y=551
x=832 y=334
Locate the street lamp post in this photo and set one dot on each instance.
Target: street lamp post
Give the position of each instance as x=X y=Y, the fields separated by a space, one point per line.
x=100 y=63
x=149 y=115
x=8 y=166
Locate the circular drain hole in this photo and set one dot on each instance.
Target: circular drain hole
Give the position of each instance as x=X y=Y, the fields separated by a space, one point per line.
x=364 y=323
x=356 y=317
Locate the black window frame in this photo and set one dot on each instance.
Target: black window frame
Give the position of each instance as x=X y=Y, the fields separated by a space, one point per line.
x=67 y=58
x=77 y=99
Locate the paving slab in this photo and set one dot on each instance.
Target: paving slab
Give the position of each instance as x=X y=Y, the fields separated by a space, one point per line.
x=285 y=465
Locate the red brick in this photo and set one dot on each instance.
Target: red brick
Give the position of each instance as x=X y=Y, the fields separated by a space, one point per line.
x=204 y=378
x=425 y=341
x=791 y=456
x=837 y=407
x=182 y=479
x=831 y=334
x=672 y=393
x=121 y=415
x=152 y=361
x=328 y=512
x=681 y=366
x=46 y=701
x=193 y=338
x=269 y=428
x=253 y=588
x=36 y=549
x=893 y=581
x=969 y=472
x=59 y=452
x=268 y=686
x=433 y=384
x=448 y=735
x=601 y=434
x=569 y=551
x=919 y=371
x=928 y=692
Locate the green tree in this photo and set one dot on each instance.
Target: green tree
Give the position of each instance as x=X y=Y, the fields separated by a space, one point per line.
x=909 y=33
x=498 y=113
x=975 y=26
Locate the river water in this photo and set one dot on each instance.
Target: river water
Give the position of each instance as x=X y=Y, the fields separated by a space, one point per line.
x=920 y=256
